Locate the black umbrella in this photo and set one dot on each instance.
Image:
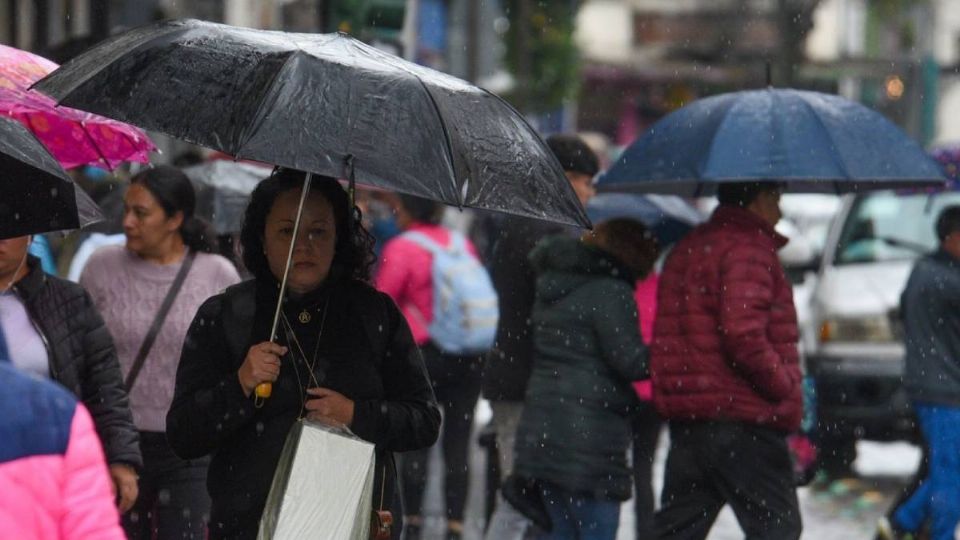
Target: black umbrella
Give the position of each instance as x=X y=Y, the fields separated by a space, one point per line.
x=36 y=195
x=324 y=103
x=223 y=191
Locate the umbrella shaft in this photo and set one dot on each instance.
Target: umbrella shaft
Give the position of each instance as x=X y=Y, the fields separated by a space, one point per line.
x=293 y=243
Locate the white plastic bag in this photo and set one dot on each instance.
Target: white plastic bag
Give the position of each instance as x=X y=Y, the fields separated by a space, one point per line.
x=322 y=488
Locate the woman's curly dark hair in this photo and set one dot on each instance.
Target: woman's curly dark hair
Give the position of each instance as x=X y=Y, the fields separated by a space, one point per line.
x=353 y=254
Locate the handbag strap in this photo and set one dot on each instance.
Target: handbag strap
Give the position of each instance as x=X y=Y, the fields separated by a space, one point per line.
x=158 y=321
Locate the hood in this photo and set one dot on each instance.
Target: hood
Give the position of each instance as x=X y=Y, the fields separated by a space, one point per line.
x=563 y=264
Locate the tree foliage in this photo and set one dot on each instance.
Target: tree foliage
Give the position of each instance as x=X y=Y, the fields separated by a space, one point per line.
x=541 y=53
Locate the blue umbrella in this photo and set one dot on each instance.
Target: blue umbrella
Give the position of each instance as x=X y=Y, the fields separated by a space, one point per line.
x=668 y=217
x=814 y=142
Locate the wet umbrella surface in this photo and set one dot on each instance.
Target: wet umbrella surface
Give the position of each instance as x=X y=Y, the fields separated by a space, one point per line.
x=36 y=195
x=324 y=103
x=813 y=142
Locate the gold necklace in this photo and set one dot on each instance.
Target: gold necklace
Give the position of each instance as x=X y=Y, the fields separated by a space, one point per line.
x=311 y=367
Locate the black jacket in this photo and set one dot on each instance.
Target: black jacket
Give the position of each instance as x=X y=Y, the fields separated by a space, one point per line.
x=574 y=431
x=366 y=352
x=508 y=364
x=82 y=357
x=930 y=307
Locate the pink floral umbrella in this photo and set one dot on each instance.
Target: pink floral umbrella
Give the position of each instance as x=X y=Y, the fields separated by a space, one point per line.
x=73 y=136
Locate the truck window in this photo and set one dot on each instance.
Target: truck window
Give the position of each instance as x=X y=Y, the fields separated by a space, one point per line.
x=886 y=226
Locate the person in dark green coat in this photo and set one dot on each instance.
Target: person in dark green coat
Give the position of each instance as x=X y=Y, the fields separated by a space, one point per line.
x=575 y=431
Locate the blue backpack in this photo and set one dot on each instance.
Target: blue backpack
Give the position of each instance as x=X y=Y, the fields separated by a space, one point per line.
x=465 y=307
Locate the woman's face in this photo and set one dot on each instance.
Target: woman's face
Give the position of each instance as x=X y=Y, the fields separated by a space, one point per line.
x=314 y=249
x=147 y=227
x=12 y=253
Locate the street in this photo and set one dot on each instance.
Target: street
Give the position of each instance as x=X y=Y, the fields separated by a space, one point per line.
x=840 y=510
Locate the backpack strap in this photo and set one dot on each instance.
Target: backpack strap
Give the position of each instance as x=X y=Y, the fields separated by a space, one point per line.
x=423 y=241
x=458 y=242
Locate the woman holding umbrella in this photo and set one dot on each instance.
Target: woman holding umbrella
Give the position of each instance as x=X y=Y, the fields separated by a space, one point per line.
x=148 y=292
x=344 y=354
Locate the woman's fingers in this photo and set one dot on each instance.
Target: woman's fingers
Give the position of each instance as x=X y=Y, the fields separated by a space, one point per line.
x=272 y=348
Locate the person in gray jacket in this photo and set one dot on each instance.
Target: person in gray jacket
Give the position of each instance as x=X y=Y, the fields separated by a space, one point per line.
x=930 y=307
x=574 y=430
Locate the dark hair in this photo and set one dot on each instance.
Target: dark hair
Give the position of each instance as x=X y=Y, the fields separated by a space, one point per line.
x=353 y=253
x=629 y=241
x=422 y=210
x=948 y=222
x=743 y=193
x=175 y=193
x=573 y=154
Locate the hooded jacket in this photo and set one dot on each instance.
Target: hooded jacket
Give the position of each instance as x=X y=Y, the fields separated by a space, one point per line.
x=574 y=430
x=56 y=485
x=365 y=352
x=930 y=307
x=82 y=357
x=725 y=338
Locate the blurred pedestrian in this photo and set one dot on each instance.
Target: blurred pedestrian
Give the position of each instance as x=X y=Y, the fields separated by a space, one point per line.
x=55 y=481
x=347 y=356
x=645 y=422
x=411 y=274
x=53 y=330
x=509 y=363
x=574 y=431
x=148 y=291
x=930 y=307
x=726 y=372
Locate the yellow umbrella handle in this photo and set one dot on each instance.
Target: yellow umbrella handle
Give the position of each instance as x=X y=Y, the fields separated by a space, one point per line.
x=264 y=390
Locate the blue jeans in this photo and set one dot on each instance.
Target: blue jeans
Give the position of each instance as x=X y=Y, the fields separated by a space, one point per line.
x=577 y=517
x=938 y=497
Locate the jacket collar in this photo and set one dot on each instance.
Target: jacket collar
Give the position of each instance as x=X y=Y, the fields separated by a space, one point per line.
x=741 y=218
x=946 y=258
x=31 y=284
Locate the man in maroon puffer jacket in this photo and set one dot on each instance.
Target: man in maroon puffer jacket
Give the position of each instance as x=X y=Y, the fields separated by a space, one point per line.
x=725 y=370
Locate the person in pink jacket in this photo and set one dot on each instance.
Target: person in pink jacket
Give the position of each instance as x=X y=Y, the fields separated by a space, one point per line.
x=52 y=469
x=645 y=422
x=405 y=273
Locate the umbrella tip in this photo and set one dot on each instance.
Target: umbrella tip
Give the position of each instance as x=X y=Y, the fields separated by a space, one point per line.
x=769 y=73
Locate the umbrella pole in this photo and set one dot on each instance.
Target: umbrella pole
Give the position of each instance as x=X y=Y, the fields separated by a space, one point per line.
x=264 y=390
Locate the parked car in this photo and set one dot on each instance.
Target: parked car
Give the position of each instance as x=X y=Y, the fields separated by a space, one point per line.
x=856 y=352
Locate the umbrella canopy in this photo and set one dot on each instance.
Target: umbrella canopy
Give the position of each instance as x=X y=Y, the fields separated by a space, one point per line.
x=327 y=104
x=223 y=191
x=36 y=195
x=811 y=141
x=74 y=137
x=668 y=217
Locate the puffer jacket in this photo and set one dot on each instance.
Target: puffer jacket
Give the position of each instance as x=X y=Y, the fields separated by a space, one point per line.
x=82 y=357
x=574 y=430
x=725 y=338
x=55 y=482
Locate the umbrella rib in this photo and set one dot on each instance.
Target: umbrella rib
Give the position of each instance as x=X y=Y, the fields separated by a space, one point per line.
x=250 y=131
x=446 y=138
x=103 y=158
x=553 y=162
x=828 y=135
